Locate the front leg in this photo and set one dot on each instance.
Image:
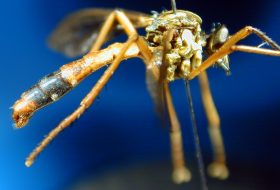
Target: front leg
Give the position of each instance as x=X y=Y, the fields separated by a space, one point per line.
x=230 y=46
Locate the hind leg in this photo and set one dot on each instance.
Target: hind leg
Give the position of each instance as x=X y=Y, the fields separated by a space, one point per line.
x=217 y=168
x=180 y=172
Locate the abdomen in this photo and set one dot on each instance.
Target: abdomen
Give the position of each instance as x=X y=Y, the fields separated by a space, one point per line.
x=47 y=90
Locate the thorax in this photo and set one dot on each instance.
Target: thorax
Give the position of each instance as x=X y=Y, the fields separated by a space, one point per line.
x=184 y=52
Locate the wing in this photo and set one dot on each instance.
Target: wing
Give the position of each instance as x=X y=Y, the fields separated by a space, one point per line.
x=155 y=85
x=77 y=32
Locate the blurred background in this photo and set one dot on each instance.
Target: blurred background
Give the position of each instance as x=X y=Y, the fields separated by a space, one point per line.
x=119 y=142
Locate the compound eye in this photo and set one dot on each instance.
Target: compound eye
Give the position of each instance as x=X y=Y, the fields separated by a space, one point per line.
x=221 y=35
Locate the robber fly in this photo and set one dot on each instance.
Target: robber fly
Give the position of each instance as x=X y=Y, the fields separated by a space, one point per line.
x=173 y=48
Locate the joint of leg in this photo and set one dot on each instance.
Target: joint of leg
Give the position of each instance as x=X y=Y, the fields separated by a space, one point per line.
x=117 y=11
x=249 y=28
x=181 y=175
x=113 y=14
x=125 y=22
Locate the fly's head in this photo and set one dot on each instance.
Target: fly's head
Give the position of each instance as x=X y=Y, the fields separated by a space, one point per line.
x=185 y=48
x=219 y=35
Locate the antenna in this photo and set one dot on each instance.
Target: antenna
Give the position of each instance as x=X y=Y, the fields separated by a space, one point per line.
x=173 y=5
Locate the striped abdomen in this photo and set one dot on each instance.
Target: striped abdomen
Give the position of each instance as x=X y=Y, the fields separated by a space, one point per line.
x=55 y=85
x=49 y=89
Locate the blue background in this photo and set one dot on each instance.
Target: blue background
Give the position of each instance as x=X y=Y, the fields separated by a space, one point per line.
x=121 y=127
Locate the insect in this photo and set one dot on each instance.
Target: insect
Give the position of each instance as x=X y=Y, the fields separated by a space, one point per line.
x=174 y=48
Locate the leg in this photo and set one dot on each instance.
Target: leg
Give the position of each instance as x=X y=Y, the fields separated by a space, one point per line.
x=180 y=172
x=129 y=30
x=107 y=26
x=123 y=20
x=218 y=168
x=229 y=47
x=250 y=49
x=86 y=102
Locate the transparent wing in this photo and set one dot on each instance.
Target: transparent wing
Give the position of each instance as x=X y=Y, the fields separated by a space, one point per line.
x=78 y=31
x=154 y=90
x=155 y=85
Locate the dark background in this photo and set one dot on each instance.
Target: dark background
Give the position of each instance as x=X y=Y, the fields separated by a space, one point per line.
x=121 y=129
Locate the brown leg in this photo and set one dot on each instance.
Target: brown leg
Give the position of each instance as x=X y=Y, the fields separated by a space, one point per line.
x=107 y=26
x=217 y=168
x=123 y=20
x=88 y=100
x=250 y=49
x=128 y=28
x=229 y=47
x=180 y=172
